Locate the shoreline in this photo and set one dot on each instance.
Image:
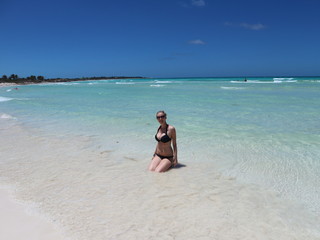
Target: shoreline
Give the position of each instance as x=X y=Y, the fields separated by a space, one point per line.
x=8 y=84
x=16 y=221
x=23 y=81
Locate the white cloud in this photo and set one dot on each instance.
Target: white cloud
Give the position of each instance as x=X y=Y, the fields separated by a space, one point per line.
x=198 y=3
x=197 y=42
x=257 y=26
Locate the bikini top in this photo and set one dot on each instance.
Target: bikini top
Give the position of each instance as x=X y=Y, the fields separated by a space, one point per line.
x=165 y=138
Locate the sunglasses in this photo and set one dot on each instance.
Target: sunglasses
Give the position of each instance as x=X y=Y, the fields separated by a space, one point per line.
x=159 y=117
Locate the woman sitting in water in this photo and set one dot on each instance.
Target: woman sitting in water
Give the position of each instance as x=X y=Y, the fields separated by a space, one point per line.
x=164 y=156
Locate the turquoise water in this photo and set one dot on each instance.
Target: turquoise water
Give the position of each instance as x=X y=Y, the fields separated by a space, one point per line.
x=265 y=131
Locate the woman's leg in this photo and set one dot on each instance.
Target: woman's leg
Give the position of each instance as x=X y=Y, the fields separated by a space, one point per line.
x=164 y=165
x=154 y=163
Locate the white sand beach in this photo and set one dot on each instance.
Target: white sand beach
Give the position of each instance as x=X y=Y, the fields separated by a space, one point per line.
x=89 y=193
x=7 y=84
x=18 y=223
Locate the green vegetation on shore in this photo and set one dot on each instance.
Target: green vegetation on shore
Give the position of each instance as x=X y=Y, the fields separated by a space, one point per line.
x=13 y=78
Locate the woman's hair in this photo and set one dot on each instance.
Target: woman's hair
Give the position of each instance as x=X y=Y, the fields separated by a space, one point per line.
x=163 y=112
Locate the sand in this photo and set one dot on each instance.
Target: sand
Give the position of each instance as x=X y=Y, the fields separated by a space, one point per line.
x=91 y=192
x=19 y=223
x=7 y=84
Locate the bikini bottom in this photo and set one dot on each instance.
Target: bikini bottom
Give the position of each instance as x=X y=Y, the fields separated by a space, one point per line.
x=170 y=158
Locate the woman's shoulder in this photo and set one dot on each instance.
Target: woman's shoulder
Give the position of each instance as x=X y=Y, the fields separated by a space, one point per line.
x=171 y=128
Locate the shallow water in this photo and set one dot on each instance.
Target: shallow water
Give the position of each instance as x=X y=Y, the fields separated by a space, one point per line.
x=250 y=150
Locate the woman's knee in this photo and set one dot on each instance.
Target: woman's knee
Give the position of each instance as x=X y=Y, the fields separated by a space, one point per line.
x=152 y=168
x=154 y=163
x=160 y=170
x=163 y=166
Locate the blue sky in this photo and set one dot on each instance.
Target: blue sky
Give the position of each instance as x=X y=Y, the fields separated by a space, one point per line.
x=153 y=38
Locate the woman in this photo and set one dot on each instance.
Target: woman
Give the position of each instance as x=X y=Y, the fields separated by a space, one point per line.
x=165 y=155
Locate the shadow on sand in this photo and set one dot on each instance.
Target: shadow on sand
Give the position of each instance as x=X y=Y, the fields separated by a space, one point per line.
x=179 y=165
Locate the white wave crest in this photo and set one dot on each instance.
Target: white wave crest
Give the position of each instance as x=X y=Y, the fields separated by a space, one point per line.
x=259 y=82
x=159 y=81
x=232 y=88
x=277 y=81
x=5 y=99
x=292 y=81
x=283 y=79
x=157 y=85
x=66 y=84
x=125 y=83
x=6 y=116
x=252 y=81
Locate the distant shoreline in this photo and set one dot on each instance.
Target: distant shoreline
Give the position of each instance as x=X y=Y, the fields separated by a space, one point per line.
x=25 y=81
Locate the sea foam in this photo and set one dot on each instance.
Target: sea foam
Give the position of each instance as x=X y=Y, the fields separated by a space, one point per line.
x=158 y=81
x=280 y=80
x=232 y=88
x=283 y=79
x=125 y=83
x=5 y=99
x=6 y=116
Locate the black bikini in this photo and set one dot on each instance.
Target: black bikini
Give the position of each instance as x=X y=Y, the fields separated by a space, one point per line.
x=170 y=158
x=165 y=138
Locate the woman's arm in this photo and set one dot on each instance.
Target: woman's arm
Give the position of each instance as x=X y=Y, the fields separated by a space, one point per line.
x=175 y=149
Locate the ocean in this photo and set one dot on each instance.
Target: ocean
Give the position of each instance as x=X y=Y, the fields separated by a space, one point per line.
x=249 y=154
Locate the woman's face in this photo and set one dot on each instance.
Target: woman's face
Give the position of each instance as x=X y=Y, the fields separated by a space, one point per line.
x=161 y=117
